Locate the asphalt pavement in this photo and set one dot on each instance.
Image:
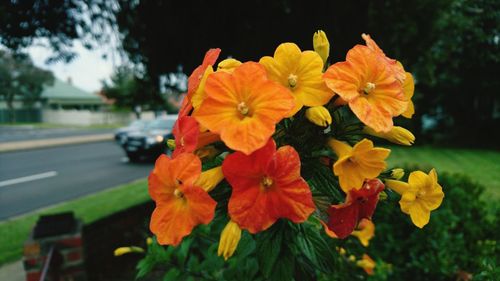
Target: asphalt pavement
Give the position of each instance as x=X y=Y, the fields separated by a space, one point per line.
x=36 y=178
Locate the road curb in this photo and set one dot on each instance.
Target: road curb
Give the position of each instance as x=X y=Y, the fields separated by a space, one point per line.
x=32 y=144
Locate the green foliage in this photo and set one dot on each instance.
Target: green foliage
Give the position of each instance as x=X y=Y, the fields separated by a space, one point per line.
x=19 y=78
x=460 y=238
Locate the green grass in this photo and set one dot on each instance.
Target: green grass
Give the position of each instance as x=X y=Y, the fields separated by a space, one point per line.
x=15 y=231
x=482 y=166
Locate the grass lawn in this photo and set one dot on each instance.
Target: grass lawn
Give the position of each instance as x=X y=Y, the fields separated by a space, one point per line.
x=14 y=232
x=482 y=166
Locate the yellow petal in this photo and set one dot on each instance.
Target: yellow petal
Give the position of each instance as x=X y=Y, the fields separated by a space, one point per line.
x=229 y=239
x=340 y=148
x=319 y=115
x=418 y=180
x=228 y=65
x=398 y=186
x=419 y=215
x=321 y=45
x=408 y=90
x=209 y=179
x=200 y=94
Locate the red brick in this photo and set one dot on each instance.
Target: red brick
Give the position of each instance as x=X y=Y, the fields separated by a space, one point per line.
x=31 y=249
x=73 y=256
x=33 y=276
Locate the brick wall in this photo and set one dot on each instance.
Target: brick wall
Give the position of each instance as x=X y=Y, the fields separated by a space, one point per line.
x=67 y=258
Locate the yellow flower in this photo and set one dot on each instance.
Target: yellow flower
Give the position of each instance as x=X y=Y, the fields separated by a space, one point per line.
x=301 y=73
x=419 y=196
x=408 y=89
x=397 y=173
x=397 y=135
x=321 y=45
x=366 y=232
x=209 y=179
x=228 y=65
x=125 y=250
x=355 y=164
x=319 y=115
x=229 y=239
x=367 y=264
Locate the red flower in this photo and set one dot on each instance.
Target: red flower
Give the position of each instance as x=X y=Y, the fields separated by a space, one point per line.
x=359 y=204
x=188 y=137
x=267 y=186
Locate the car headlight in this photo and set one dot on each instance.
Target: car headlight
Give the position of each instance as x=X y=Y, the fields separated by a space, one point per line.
x=153 y=140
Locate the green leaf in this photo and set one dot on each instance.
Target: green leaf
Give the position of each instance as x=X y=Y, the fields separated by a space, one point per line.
x=172 y=274
x=269 y=245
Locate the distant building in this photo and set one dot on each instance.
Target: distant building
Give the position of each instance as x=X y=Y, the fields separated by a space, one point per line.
x=64 y=95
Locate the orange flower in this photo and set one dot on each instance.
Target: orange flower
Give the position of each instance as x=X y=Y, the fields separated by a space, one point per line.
x=300 y=72
x=395 y=67
x=267 y=186
x=243 y=107
x=180 y=205
x=368 y=85
x=409 y=89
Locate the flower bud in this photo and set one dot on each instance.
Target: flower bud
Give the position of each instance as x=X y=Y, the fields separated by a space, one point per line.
x=171 y=144
x=229 y=239
x=228 y=65
x=397 y=135
x=397 y=173
x=319 y=115
x=209 y=179
x=125 y=250
x=367 y=264
x=321 y=45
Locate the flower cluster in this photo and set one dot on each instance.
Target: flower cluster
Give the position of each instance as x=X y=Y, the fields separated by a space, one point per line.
x=258 y=133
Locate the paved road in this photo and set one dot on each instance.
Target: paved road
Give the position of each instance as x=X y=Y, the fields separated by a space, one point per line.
x=29 y=132
x=36 y=178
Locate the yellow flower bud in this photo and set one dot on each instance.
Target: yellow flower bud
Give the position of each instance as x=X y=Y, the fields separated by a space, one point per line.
x=319 y=115
x=228 y=65
x=125 y=250
x=397 y=135
x=149 y=241
x=171 y=144
x=321 y=45
x=366 y=232
x=397 y=173
x=209 y=179
x=367 y=264
x=229 y=239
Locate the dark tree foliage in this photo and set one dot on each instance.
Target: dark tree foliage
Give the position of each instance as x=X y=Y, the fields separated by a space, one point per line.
x=20 y=79
x=451 y=46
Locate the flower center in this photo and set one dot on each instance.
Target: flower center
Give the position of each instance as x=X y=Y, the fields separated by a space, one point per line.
x=421 y=193
x=243 y=108
x=266 y=182
x=182 y=141
x=178 y=193
x=292 y=80
x=352 y=160
x=369 y=87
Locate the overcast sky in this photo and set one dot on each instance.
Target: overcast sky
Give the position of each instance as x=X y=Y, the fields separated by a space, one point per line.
x=86 y=71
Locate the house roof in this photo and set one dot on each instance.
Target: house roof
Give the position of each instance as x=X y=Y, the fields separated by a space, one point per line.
x=62 y=92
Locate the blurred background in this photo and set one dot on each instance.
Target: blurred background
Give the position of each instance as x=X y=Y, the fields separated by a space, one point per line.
x=90 y=89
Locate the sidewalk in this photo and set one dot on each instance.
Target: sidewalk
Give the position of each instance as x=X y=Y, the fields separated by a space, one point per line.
x=12 y=271
x=31 y=144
